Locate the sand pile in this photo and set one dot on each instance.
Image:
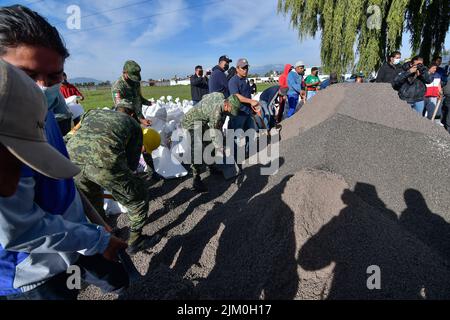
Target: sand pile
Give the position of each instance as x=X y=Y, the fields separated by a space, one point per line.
x=363 y=181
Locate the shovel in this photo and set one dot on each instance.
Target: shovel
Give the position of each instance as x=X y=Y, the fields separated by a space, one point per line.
x=438 y=104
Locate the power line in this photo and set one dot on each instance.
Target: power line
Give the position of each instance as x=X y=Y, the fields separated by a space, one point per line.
x=145 y=17
x=34 y=2
x=109 y=10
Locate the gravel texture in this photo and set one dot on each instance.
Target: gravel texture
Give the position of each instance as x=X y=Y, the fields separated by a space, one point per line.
x=362 y=181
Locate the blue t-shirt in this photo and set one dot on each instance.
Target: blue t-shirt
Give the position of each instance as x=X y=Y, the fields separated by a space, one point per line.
x=241 y=86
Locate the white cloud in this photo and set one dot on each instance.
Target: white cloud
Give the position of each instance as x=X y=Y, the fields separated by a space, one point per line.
x=166 y=25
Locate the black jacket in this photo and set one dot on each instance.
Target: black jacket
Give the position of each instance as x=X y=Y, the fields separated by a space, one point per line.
x=387 y=73
x=199 y=87
x=410 y=87
x=446 y=90
x=218 y=82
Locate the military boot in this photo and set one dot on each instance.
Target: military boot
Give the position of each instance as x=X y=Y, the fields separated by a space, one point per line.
x=198 y=185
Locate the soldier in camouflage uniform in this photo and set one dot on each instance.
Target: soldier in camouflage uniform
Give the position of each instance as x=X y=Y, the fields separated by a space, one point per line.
x=128 y=87
x=107 y=147
x=209 y=113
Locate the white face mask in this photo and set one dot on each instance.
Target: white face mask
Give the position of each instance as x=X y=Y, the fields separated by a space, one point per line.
x=397 y=61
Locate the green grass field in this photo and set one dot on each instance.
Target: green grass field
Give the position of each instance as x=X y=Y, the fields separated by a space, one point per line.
x=101 y=98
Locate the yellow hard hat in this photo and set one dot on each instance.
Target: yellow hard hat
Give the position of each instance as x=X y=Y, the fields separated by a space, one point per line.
x=152 y=139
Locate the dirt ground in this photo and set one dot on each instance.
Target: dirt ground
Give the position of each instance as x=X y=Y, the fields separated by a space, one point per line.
x=362 y=181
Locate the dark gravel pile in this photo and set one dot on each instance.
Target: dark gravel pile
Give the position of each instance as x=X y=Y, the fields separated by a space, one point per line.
x=362 y=181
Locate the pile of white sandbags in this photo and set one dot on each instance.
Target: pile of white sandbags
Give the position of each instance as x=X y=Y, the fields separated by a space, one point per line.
x=166 y=115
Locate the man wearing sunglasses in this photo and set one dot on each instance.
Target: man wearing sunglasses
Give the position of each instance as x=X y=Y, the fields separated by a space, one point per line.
x=240 y=86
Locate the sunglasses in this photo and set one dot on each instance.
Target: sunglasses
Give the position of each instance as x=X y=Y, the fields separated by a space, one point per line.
x=244 y=68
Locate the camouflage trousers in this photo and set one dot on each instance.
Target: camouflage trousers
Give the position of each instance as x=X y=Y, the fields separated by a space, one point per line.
x=126 y=188
x=196 y=145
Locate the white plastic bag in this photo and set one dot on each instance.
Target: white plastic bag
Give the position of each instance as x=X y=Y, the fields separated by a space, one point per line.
x=167 y=166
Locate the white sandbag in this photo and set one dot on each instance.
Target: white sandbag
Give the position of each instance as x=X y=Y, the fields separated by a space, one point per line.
x=77 y=110
x=175 y=113
x=155 y=111
x=167 y=166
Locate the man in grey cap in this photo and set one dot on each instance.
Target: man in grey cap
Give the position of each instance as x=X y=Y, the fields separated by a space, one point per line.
x=39 y=243
x=245 y=120
x=296 y=87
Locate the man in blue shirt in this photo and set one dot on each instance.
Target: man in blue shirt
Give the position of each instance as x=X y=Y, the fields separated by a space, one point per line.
x=240 y=86
x=218 y=80
x=440 y=71
x=296 y=87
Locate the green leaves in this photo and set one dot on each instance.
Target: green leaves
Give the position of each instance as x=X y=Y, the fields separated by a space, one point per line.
x=346 y=25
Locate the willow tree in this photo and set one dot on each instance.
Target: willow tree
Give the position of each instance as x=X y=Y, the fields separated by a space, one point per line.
x=368 y=29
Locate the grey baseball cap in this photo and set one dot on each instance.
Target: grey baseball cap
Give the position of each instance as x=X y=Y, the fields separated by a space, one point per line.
x=242 y=63
x=23 y=109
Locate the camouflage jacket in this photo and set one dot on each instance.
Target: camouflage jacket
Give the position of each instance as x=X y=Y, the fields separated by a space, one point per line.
x=209 y=112
x=106 y=139
x=123 y=90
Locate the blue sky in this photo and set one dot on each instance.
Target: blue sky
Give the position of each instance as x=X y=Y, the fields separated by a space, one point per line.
x=170 y=37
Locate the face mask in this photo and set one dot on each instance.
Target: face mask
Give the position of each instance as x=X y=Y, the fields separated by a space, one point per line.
x=52 y=94
x=396 y=61
x=200 y=74
x=226 y=67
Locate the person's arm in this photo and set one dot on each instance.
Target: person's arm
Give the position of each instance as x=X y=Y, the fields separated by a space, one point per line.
x=134 y=148
x=293 y=83
x=245 y=100
x=215 y=122
x=400 y=79
x=446 y=90
x=427 y=77
x=25 y=227
x=197 y=81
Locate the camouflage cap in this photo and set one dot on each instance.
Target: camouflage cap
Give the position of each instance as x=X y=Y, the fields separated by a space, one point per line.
x=124 y=103
x=235 y=104
x=133 y=70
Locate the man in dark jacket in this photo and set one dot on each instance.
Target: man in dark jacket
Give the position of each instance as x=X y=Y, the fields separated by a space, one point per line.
x=218 y=80
x=390 y=69
x=199 y=85
x=411 y=83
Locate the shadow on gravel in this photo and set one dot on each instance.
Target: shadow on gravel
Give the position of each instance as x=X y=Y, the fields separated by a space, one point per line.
x=366 y=234
x=248 y=244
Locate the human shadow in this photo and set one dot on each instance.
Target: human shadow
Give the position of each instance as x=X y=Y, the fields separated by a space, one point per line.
x=255 y=258
x=364 y=235
x=428 y=227
x=193 y=243
x=217 y=187
x=236 y=226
